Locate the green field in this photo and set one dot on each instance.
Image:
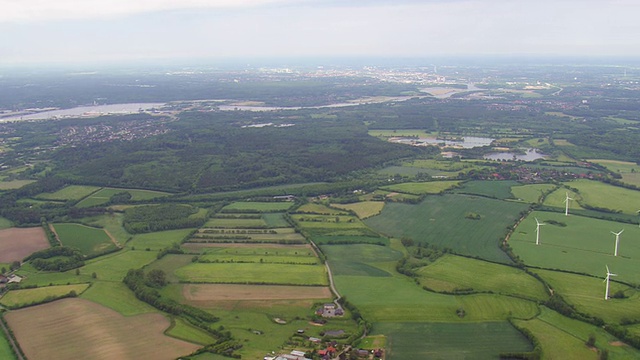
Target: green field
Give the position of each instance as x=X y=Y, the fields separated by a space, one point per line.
x=489 y=188
x=562 y=337
x=238 y=273
x=71 y=192
x=5 y=348
x=275 y=235
x=530 y=193
x=331 y=225
x=275 y=220
x=20 y=298
x=584 y=245
x=416 y=340
x=181 y=329
x=89 y=240
x=236 y=223
x=158 y=240
x=258 y=206
x=344 y=239
x=450 y=273
x=363 y=209
x=443 y=165
x=111 y=223
x=14 y=184
x=557 y=198
x=442 y=221
x=401 y=132
x=114 y=267
x=422 y=188
x=629 y=171
x=587 y=295
x=116 y=295
x=104 y=195
x=5 y=223
x=601 y=195
x=321 y=209
x=278 y=255
x=383 y=295
x=169 y=264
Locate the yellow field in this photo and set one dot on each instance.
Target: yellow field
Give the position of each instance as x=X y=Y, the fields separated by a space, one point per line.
x=363 y=209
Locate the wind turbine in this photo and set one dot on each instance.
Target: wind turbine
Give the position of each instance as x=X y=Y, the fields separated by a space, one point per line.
x=538 y=224
x=606 y=289
x=566 y=207
x=615 y=252
x=638 y=212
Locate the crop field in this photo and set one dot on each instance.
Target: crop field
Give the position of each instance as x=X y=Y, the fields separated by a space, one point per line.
x=630 y=171
x=584 y=245
x=363 y=209
x=411 y=340
x=158 y=240
x=321 y=209
x=71 y=193
x=238 y=273
x=112 y=223
x=562 y=337
x=489 y=188
x=587 y=294
x=19 y=298
x=531 y=193
x=450 y=273
x=331 y=225
x=104 y=195
x=236 y=223
x=422 y=188
x=258 y=206
x=181 y=329
x=601 y=195
x=88 y=240
x=444 y=221
x=266 y=257
x=260 y=250
x=65 y=328
x=443 y=165
x=357 y=259
x=275 y=235
x=17 y=243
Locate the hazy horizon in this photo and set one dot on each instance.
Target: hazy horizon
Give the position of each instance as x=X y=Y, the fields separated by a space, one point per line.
x=119 y=31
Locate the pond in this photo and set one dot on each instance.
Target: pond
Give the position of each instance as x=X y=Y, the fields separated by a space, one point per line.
x=529 y=155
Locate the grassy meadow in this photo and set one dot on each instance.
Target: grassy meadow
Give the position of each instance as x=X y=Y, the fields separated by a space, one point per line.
x=584 y=245
x=321 y=209
x=20 y=298
x=489 y=188
x=557 y=198
x=158 y=240
x=443 y=221
x=450 y=273
x=531 y=193
x=422 y=188
x=418 y=340
x=116 y=296
x=236 y=223
x=5 y=348
x=629 y=171
x=89 y=240
x=180 y=329
x=69 y=193
x=239 y=206
x=601 y=195
x=363 y=209
x=114 y=267
x=104 y=195
x=253 y=273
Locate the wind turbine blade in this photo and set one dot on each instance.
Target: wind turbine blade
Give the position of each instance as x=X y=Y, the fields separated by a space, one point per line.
x=608 y=272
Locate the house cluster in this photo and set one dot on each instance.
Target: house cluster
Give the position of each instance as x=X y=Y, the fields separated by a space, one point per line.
x=294 y=355
x=330 y=310
x=13 y=278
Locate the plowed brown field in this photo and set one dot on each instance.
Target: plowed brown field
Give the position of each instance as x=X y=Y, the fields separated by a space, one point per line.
x=17 y=243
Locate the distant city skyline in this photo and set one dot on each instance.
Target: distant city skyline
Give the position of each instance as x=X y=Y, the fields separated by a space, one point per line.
x=92 y=31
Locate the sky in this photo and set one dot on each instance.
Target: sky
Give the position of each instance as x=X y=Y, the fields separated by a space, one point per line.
x=101 y=31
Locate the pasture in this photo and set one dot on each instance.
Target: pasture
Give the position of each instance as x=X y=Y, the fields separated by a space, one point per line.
x=601 y=195
x=114 y=267
x=104 y=195
x=443 y=221
x=237 y=223
x=450 y=273
x=14 y=184
x=69 y=193
x=629 y=171
x=315 y=208
x=111 y=223
x=158 y=240
x=89 y=240
x=17 y=243
x=252 y=273
x=419 y=340
x=489 y=188
x=584 y=245
x=563 y=337
x=363 y=209
x=5 y=348
x=181 y=329
x=587 y=295
x=275 y=220
x=422 y=188
x=274 y=206
x=116 y=296
x=24 y=297
x=65 y=328
x=531 y=193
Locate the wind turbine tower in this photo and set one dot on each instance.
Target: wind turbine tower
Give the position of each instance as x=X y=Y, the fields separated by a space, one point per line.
x=538 y=224
x=566 y=206
x=615 y=251
x=606 y=280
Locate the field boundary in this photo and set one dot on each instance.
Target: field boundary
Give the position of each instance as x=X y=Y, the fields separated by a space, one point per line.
x=53 y=230
x=14 y=345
